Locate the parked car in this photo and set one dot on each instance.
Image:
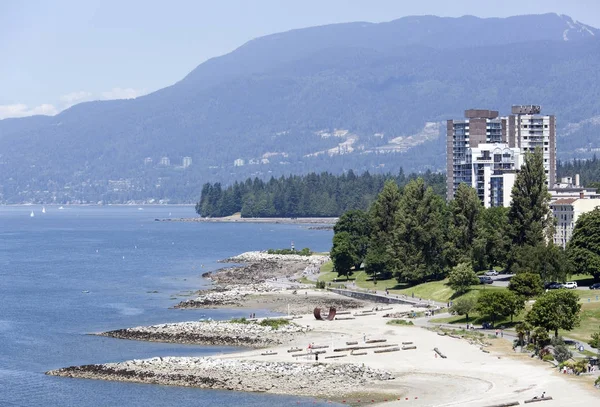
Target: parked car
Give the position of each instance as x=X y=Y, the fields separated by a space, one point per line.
x=491 y=273
x=485 y=280
x=595 y=286
x=554 y=286
x=570 y=284
x=550 y=284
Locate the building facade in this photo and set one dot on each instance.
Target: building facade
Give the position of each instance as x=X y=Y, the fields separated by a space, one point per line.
x=187 y=161
x=566 y=211
x=486 y=151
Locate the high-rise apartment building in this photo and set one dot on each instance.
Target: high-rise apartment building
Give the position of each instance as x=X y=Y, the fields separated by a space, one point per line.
x=485 y=150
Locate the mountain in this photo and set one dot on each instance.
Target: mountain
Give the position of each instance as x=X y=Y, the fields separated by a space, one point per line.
x=358 y=96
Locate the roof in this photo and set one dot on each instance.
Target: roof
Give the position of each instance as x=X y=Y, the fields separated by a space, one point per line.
x=564 y=201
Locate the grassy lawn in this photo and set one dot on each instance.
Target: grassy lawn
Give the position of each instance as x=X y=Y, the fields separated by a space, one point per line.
x=478 y=320
x=590 y=322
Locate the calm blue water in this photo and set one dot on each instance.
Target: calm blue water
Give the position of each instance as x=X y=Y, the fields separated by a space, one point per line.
x=120 y=255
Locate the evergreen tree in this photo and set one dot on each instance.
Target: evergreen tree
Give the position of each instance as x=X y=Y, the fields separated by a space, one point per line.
x=464 y=208
x=584 y=247
x=420 y=233
x=529 y=215
x=491 y=243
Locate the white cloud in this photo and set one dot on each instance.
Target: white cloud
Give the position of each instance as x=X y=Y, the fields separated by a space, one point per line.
x=22 y=110
x=66 y=101
x=73 y=98
x=122 y=93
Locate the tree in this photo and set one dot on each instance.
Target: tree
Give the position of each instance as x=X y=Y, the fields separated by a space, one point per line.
x=523 y=331
x=526 y=285
x=514 y=304
x=462 y=277
x=529 y=215
x=342 y=254
x=464 y=306
x=547 y=260
x=382 y=252
x=557 y=309
x=584 y=247
x=420 y=234
x=464 y=208
x=358 y=225
x=491 y=243
x=498 y=303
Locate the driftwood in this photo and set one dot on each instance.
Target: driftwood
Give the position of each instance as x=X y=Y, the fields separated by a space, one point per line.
x=353 y=353
x=439 y=353
x=343 y=313
x=409 y=347
x=375 y=340
x=351 y=348
x=268 y=353
x=538 y=399
x=507 y=404
x=364 y=314
x=309 y=353
x=407 y=343
x=394 y=349
x=343 y=318
x=352 y=343
x=335 y=356
x=294 y=350
x=319 y=346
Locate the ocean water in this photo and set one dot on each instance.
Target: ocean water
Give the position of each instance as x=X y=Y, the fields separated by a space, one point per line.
x=66 y=273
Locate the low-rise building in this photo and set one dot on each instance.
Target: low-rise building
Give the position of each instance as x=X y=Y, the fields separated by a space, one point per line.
x=566 y=212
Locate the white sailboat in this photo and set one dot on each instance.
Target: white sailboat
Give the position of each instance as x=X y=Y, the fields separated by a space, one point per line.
x=31 y=215
x=43 y=209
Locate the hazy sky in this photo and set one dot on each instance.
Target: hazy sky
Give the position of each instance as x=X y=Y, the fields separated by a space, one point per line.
x=55 y=53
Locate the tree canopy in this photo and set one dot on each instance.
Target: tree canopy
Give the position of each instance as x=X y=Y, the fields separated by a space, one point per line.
x=556 y=309
x=584 y=247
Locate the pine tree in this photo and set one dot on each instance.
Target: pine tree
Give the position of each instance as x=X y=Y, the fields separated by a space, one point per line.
x=465 y=209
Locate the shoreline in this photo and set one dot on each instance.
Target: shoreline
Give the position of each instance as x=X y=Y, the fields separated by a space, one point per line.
x=361 y=356
x=237 y=219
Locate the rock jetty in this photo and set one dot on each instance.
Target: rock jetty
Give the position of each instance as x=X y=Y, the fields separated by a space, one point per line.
x=306 y=379
x=231 y=295
x=219 y=333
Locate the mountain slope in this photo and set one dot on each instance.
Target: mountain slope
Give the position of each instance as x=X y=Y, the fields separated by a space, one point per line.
x=277 y=101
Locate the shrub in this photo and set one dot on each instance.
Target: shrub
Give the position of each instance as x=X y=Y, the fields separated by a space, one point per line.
x=399 y=322
x=274 y=323
x=595 y=341
x=239 y=321
x=320 y=284
x=597 y=382
x=304 y=252
x=561 y=353
x=548 y=358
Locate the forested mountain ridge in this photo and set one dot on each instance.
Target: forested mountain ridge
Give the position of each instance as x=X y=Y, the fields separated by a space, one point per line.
x=355 y=96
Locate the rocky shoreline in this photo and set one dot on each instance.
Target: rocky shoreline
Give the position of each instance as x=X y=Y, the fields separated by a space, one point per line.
x=217 y=333
x=302 y=379
x=238 y=219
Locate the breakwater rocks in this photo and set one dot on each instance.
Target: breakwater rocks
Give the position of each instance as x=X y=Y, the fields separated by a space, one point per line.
x=258 y=257
x=219 y=333
x=308 y=379
x=230 y=295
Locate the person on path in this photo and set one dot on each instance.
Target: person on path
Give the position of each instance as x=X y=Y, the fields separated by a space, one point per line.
x=364 y=338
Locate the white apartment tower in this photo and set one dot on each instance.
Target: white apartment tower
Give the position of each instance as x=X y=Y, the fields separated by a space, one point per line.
x=486 y=151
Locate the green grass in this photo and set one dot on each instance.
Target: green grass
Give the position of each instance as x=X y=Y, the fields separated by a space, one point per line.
x=582 y=279
x=590 y=322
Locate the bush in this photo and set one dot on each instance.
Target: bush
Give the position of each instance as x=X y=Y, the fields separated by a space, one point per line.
x=274 y=323
x=597 y=382
x=595 y=341
x=399 y=322
x=239 y=321
x=561 y=353
x=304 y=252
x=320 y=284
x=548 y=358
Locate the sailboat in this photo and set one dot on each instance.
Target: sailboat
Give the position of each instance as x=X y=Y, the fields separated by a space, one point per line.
x=31 y=215
x=43 y=209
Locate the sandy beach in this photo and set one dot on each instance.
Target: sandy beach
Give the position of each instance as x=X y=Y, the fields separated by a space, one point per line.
x=360 y=357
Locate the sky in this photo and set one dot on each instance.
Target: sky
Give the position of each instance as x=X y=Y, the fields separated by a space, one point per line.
x=57 y=53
